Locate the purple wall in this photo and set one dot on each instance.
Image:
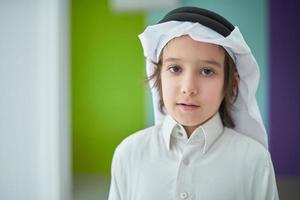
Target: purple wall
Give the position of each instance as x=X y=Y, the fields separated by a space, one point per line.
x=285 y=85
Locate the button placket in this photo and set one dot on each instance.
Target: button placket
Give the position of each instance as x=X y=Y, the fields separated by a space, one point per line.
x=187 y=153
x=190 y=153
x=182 y=175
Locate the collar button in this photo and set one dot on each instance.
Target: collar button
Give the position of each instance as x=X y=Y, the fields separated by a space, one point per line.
x=186 y=162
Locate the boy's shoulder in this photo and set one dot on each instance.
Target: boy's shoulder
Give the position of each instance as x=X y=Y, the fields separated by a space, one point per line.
x=138 y=140
x=241 y=140
x=244 y=145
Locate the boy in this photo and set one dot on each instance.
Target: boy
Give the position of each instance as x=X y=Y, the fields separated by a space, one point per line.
x=209 y=141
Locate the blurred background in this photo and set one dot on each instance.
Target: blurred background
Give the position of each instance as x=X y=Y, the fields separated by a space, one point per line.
x=72 y=87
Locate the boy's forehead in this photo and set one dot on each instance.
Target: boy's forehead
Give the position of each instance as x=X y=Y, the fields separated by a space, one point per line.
x=185 y=39
x=179 y=45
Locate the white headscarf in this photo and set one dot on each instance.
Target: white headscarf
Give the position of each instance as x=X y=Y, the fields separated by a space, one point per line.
x=245 y=113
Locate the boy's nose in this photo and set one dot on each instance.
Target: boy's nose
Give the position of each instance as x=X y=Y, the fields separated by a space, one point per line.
x=189 y=86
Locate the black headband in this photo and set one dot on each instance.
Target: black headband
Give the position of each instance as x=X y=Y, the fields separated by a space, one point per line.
x=205 y=17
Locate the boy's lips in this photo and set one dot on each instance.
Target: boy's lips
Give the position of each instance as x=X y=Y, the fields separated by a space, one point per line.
x=187 y=106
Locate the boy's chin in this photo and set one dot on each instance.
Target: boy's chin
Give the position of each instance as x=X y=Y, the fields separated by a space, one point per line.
x=189 y=122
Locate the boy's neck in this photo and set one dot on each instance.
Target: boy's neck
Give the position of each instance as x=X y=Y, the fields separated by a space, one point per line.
x=190 y=129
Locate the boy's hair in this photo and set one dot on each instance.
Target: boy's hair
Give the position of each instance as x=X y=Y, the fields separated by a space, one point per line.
x=230 y=88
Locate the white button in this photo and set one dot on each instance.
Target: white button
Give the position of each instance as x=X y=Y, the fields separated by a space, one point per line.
x=186 y=161
x=180 y=133
x=183 y=195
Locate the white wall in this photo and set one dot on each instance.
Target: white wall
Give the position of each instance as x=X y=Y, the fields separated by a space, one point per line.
x=34 y=100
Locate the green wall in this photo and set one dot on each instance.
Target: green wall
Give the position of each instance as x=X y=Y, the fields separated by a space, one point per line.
x=107 y=82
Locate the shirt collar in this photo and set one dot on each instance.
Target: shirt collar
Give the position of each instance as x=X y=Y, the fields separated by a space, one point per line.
x=205 y=135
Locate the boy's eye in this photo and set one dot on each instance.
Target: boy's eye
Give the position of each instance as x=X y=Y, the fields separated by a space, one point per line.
x=174 y=69
x=207 y=72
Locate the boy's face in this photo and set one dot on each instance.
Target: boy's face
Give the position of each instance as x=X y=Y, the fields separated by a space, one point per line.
x=192 y=79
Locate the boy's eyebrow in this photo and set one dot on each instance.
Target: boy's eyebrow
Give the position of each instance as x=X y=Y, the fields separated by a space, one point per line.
x=213 y=62
x=170 y=59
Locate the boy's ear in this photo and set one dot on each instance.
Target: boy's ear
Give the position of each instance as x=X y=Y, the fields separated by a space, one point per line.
x=236 y=83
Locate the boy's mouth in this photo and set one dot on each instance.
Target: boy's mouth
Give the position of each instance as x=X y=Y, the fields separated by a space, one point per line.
x=187 y=107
